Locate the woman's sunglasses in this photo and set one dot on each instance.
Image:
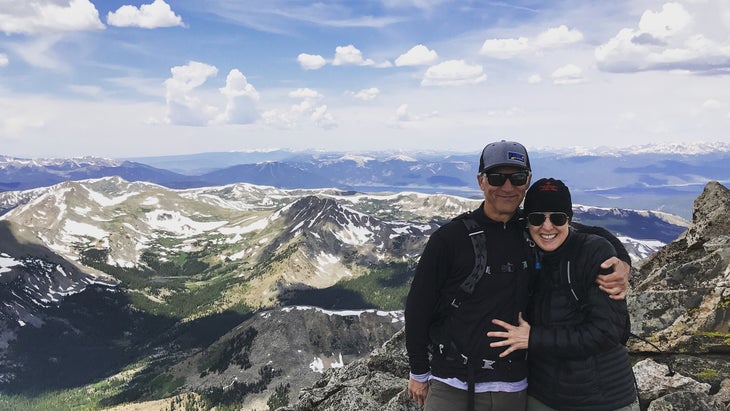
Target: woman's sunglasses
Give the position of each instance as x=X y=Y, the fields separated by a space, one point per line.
x=557 y=219
x=498 y=179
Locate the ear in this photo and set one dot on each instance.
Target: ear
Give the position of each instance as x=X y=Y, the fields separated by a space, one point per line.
x=480 y=181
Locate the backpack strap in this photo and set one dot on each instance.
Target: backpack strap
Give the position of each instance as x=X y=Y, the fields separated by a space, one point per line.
x=479 y=244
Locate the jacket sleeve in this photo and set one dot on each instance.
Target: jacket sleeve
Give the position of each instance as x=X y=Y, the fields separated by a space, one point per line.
x=603 y=320
x=621 y=252
x=422 y=300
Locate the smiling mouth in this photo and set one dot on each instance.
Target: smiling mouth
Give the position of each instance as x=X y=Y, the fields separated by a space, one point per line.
x=548 y=236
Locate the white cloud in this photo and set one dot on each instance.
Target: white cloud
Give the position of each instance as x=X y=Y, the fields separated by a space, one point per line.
x=44 y=16
x=39 y=52
x=184 y=107
x=671 y=20
x=147 y=16
x=4 y=60
x=453 y=73
x=86 y=90
x=401 y=113
x=350 y=55
x=188 y=105
x=534 y=79
x=366 y=94
x=307 y=111
x=555 y=37
x=417 y=56
x=568 y=74
x=504 y=48
x=18 y=125
x=712 y=104
x=323 y=118
x=306 y=94
x=311 y=61
x=241 y=97
x=558 y=37
x=678 y=37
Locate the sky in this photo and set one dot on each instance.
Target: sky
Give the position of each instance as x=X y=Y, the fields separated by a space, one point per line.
x=129 y=78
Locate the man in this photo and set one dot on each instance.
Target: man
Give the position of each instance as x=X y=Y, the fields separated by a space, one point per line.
x=462 y=284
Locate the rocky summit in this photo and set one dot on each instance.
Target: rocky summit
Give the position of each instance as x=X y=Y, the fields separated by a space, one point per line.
x=679 y=302
x=680 y=297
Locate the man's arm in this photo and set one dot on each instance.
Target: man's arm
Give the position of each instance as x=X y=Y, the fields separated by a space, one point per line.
x=616 y=281
x=422 y=298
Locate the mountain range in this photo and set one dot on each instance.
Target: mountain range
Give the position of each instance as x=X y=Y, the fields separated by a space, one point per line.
x=660 y=178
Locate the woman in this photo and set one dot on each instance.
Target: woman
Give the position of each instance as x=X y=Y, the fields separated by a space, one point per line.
x=576 y=334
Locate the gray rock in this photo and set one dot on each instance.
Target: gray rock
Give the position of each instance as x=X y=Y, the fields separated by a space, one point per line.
x=654 y=381
x=375 y=383
x=686 y=401
x=680 y=297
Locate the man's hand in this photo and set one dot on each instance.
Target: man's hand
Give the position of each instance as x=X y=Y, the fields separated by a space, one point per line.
x=616 y=283
x=417 y=391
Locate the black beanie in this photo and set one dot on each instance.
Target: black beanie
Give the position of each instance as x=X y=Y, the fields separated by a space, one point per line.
x=548 y=194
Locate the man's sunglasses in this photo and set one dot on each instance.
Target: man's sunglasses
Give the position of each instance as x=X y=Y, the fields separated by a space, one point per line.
x=557 y=219
x=498 y=179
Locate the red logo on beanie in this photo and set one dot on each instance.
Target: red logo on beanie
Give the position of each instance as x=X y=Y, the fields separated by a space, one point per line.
x=548 y=186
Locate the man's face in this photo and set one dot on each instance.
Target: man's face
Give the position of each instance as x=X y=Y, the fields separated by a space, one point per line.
x=501 y=202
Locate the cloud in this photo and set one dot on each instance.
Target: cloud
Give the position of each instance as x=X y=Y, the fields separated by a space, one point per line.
x=403 y=114
x=675 y=38
x=453 y=73
x=43 y=16
x=417 y=56
x=4 y=60
x=241 y=97
x=350 y=55
x=311 y=61
x=148 y=16
x=568 y=74
x=534 y=79
x=664 y=24
x=504 y=48
x=558 y=37
x=366 y=94
x=306 y=94
x=39 y=52
x=86 y=90
x=17 y=125
x=188 y=105
x=305 y=112
x=551 y=38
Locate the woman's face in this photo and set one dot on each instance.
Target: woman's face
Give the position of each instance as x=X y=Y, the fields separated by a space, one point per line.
x=550 y=233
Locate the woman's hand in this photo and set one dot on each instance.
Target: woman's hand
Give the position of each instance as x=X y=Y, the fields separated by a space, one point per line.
x=515 y=337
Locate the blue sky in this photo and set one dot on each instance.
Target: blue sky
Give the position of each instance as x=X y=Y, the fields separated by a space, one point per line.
x=145 y=78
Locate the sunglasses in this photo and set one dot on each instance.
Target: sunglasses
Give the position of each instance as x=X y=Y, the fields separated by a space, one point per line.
x=498 y=179
x=557 y=219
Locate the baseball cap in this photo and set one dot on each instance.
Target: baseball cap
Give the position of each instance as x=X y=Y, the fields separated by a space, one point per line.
x=504 y=153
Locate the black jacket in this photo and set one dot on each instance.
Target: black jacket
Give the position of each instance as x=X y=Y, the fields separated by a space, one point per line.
x=446 y=262
x=577 y=359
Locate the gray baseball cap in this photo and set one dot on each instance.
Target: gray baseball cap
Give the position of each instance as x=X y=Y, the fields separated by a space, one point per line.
x=504 y=153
